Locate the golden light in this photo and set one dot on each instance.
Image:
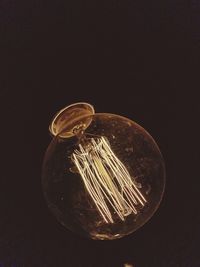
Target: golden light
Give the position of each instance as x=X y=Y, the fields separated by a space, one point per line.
x=103 y=174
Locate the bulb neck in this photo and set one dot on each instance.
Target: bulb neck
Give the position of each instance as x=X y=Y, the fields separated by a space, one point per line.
x=70 y=119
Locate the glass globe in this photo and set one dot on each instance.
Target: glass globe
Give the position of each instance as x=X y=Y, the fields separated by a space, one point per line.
x=103 y=174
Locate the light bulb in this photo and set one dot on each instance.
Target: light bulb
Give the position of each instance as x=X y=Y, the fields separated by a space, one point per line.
x=103 y=174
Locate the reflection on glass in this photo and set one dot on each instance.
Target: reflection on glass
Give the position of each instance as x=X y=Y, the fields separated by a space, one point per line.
x=103 y=174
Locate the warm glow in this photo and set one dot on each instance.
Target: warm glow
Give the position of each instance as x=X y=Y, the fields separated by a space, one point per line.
x=107 y=180
x=128 y=265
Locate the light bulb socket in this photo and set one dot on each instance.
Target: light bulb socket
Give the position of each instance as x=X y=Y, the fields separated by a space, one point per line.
x=71 y=117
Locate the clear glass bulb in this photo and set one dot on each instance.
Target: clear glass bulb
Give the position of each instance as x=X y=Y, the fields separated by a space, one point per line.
x=103 y=174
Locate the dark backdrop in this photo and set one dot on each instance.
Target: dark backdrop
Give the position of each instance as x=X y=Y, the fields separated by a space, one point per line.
x=134 y=58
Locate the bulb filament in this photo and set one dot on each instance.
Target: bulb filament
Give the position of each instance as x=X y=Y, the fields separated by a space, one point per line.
x=107 y=180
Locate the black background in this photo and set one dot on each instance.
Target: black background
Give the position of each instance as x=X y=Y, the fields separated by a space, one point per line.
x=138 y=59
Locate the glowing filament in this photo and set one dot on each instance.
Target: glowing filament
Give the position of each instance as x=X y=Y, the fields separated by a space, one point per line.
x=107 y=180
